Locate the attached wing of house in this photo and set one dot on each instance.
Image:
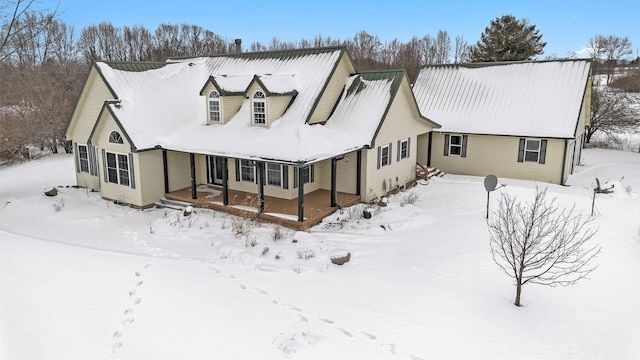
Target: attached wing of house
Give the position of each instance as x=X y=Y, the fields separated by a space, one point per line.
x=284 y=119
x=516 y=119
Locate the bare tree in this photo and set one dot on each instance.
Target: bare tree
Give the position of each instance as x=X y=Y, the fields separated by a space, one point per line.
x=540 y=243
x=462 y=52
x=609 y=50
x=612 y=113
x=12 y=15
x=442 y=47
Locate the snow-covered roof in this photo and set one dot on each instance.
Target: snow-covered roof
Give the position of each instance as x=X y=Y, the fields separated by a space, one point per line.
x=541 y=99
x=163 y=107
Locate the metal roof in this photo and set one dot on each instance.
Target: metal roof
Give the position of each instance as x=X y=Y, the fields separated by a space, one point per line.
x=529 y=98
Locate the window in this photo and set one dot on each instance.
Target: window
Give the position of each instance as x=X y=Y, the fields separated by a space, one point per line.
x=455 y=145
x=384 y=155
x=403 y=149
x=117 y=168
x=86 y=159
x=214 y=107
x=532 y=150
x=83 y=158
x=115 y=138
x=274 y=174
x=259 y=108
x=247 y=171
x=307 y=174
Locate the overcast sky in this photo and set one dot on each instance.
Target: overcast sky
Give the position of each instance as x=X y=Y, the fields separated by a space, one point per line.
x=566 y=26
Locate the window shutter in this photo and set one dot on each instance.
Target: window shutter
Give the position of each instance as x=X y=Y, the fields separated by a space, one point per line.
x=296 y=175
x=464 y=146
x=311 y=173
x=379 y=156
x=409 y=147
x=446 y=145
x=543 y=151
x=93 y=160
x=237 y=169
x=285 y=176
x=75 y=150
x=132 y=175
x=399 y=150
x=521 y=151
x=390 y=152
x=104 y=166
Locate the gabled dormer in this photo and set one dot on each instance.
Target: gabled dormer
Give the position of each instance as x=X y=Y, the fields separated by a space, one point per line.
x=269 y=97
x=221 y=101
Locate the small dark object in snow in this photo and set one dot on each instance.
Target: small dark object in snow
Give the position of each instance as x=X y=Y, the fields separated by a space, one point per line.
x=52 y=192
x=294 y=241
x=383 y=228
x=341 y=260
x=366 y=213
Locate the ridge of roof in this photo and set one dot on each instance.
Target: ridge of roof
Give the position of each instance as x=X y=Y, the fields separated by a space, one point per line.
x=501 y=63
x=135 y=66
x=273 y=54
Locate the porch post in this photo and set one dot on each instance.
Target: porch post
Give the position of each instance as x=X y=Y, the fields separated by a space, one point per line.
x=359 y=172
x=165 y=167
x=334 y=164
x=192 y=162
x=225 y=181
x=300 y=194
x=260 y=174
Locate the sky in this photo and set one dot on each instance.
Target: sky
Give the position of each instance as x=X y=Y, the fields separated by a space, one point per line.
x=566 y=26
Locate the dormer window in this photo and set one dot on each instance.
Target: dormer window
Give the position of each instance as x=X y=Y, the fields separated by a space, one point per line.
x=259 y=108
x=214 y=107
x=115 y=138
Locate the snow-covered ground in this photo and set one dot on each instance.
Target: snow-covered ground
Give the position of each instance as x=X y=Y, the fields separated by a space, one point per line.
x=82 y=278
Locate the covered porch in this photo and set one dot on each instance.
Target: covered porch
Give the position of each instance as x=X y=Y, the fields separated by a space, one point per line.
x=317 y=204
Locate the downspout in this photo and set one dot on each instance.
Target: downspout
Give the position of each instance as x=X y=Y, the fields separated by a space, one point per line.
x=429 y=148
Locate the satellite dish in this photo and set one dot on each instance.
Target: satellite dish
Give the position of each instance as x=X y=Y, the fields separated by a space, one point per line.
x=490 y=182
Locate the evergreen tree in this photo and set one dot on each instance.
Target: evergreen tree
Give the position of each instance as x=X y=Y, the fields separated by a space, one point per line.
x=508 y=39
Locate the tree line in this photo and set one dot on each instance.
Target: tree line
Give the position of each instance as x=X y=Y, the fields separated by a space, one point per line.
x=44 y=61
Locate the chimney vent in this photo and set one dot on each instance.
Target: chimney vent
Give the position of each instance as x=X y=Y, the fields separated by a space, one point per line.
x=238 y=45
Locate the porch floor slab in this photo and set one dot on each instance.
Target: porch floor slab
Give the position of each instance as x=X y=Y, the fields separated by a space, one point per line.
x=317 y=205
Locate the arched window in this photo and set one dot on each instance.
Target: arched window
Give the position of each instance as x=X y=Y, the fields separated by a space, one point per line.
x=115 y=138
x=214 y=107
x=259 y=108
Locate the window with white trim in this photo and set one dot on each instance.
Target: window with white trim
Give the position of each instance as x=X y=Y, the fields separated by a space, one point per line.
x=403 y=149
x=259 y=108
x=385 y=155
x=307 y=174
x=83 y=158
x=115 y=138
x=214 y=107
x=274 y=174
x=247 y=171
x=455 y=145
x=118 y=168
x=532 y=150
